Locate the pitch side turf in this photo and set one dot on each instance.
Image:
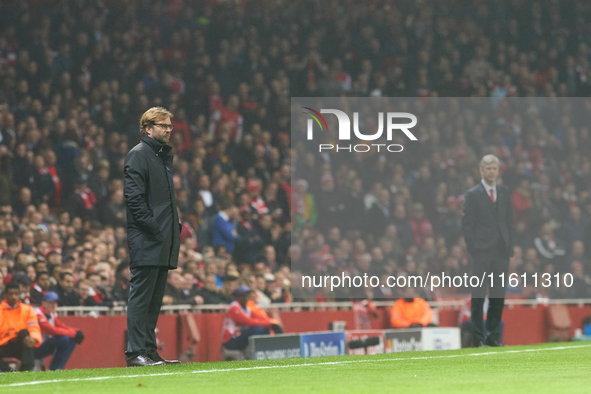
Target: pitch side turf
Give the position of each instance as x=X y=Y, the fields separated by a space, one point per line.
x=547 y=368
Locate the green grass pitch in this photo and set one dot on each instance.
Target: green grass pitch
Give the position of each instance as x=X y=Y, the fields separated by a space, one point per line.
x=548 y=368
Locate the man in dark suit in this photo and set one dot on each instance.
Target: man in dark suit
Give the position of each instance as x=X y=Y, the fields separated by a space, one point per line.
x=487 y=224
x=153 y=233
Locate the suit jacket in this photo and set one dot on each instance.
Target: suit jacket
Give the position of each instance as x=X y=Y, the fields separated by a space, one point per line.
x=483 y=222
x=153 y=228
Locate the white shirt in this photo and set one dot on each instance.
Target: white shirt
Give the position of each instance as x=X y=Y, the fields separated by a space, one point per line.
x=489 y=188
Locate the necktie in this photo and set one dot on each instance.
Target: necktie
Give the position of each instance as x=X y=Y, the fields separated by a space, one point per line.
x=492 y=195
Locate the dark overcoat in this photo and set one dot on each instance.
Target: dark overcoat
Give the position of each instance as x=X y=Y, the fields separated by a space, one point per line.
x=153 y=229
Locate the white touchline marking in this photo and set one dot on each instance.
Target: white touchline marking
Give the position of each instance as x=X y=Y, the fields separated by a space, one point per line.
x=37 y=382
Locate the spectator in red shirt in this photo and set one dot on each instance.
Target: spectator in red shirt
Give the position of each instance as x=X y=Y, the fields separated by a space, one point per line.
x=229 y=117
x=83 y=202
x=421 y=227
x=257 y=204
x=522 y=201
x=50 y=161
x=58 y=340
x=182 y=129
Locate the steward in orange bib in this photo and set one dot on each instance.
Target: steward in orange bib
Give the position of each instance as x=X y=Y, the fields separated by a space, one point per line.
x=411 y=311
x=19 y=330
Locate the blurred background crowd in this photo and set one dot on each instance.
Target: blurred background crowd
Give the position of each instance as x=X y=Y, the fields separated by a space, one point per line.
x=76 y=76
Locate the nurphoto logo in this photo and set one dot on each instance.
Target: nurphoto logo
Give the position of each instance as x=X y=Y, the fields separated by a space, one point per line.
x=344 y=131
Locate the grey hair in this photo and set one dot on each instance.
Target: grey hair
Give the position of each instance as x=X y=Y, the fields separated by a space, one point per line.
x=489 y=159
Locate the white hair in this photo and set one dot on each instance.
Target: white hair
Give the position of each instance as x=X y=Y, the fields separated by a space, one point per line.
x=489 y=159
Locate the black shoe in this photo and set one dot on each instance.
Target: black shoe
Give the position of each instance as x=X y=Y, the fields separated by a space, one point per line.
x=142 y=361
x=480 y=344
x=492 y=343
x=157 y=357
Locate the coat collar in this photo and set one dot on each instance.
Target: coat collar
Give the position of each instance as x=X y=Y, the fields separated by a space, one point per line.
x=5 y=305
x=157 y=146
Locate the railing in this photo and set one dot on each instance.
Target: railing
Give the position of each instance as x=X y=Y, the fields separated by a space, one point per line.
x=298 y=306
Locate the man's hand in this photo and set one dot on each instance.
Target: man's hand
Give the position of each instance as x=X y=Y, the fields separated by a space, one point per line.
x=199 y=300
x=79 y=337
x=29 y=341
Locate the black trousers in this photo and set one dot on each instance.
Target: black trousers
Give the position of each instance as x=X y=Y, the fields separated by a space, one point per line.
x=143 y=307
x=17 y=349
x=495 y=261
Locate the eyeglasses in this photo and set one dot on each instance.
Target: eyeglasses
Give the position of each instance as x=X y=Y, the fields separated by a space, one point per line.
x=164 y=126
x=6 y=213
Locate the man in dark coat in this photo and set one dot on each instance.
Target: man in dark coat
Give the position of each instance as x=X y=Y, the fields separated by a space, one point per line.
x=487 y=224
x=210 y=292
x=153 y=233
x=248 y=248
x=65 y=291
x=378 y=215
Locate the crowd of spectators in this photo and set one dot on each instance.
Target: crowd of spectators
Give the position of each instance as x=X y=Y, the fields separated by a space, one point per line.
x=76 y=78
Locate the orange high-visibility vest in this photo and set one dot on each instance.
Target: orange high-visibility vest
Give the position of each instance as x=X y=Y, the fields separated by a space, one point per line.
x=403 y=313
x=257 y=311
x=13 y=320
